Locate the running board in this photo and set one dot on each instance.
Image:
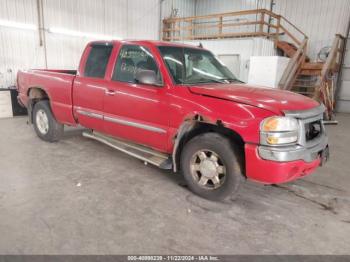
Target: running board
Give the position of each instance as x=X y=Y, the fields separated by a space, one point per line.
x=143 y=153
x=330 y=122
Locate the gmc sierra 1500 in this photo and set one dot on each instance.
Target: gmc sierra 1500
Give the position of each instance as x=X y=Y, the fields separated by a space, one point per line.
x=178 y=107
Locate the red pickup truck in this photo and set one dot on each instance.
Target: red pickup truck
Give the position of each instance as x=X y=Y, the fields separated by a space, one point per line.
x=178 y=107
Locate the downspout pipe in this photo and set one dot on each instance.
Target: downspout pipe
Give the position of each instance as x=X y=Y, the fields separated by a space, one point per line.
x=41 y=27
x=272 y=4
x=160 y=26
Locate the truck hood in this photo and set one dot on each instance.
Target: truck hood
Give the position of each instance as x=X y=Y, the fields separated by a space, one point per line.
x=270 y=99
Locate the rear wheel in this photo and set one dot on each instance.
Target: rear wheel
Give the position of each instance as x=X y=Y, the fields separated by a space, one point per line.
x=45 y=125
x=210 y=166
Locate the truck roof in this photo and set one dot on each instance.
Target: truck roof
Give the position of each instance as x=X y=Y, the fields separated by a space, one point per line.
x=141 y=42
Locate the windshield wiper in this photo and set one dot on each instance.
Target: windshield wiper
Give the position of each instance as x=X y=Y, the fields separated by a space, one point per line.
x=207 y=81
x=232 y=80
x=221 y=80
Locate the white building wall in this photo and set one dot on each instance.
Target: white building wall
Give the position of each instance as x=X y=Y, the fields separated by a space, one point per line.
x=204 y=7
x=20 y=49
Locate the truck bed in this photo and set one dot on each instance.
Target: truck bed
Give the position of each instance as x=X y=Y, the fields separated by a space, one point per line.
x=57 y=85
x=61 y=71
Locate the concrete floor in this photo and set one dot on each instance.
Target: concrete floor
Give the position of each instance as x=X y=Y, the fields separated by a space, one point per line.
x=81 y=197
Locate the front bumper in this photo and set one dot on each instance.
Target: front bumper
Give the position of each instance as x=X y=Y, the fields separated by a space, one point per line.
x=295 y=152
x=275 y=172
x=279 y=164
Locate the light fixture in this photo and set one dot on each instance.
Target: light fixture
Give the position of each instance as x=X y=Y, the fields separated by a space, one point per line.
x=63 y=31
x=17 y=25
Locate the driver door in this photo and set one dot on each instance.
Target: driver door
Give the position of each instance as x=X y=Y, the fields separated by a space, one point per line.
x=135 y=111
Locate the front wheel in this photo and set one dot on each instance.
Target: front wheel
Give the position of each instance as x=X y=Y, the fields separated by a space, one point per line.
x=45 y=125
x=210 y=166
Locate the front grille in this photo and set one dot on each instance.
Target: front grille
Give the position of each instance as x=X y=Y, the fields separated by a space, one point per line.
x=311 y=127
x=313 y=130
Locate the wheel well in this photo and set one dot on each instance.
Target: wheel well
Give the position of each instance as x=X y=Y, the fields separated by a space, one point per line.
x=237 y=142
x=35 y=94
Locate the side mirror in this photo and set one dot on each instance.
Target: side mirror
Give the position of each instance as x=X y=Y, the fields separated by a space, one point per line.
x=147 y=77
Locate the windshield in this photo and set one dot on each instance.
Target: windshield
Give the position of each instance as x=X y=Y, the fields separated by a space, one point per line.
x=194 y=66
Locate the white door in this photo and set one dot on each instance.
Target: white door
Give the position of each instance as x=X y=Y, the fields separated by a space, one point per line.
x=5 y=103
x=232 y=61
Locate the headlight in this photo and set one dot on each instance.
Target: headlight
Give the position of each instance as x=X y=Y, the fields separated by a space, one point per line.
x=279 y=130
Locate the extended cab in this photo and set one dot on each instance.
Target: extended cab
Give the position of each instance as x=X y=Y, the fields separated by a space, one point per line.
x=178 y=107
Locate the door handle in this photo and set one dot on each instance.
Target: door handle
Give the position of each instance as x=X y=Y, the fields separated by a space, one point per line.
x=110 y=92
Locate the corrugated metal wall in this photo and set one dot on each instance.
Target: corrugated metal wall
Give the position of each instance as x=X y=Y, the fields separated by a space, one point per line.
x=204 y=7
x=319 y=19
x=123 y=19
x=20 y=49
x=182 y=8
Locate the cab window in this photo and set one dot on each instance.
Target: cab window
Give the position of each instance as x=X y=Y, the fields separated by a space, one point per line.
x=132 y=58
x=97 y=61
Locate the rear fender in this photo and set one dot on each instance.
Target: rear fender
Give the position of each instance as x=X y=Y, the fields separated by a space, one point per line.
x=35 y=94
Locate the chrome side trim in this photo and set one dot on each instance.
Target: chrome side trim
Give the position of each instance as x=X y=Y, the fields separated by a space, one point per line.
x=134 y=124
x=90 y=114
x=302 y=114
x=122 y=121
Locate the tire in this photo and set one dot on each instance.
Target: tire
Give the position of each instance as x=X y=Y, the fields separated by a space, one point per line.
x=197 y=168
x=45 y=124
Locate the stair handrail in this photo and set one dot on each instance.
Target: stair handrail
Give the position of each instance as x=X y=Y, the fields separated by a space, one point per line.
x=294 y=26
x=293 y=67
x=189 y=28
x=332 y=59
x=331 y=66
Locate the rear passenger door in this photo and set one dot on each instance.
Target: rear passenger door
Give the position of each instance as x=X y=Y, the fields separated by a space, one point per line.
x=90 y=85
x=135 y=111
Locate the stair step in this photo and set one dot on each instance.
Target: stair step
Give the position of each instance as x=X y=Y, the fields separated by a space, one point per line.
x=287 y=48
x=309 y=79
x=306 y=72
x=304 y=86
x=312 y=66
x=141 y=152
x=307 y=83
x=304 y=93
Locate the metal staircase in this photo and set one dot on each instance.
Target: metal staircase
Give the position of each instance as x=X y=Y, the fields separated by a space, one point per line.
x=313 y=79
